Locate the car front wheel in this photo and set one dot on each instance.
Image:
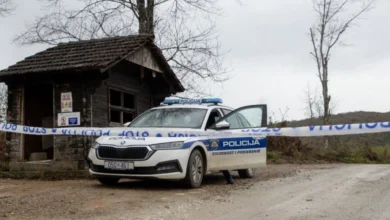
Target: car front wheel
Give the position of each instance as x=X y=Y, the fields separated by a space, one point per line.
x=195 y=170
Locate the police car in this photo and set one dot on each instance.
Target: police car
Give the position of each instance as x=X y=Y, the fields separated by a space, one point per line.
x=183 y=158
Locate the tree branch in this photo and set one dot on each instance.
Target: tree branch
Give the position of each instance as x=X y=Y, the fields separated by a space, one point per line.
x=6 y=7
x=330 y=29
x=183 y=29
x=315 y=54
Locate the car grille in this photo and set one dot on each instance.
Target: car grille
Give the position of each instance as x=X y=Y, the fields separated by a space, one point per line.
x=134 y=153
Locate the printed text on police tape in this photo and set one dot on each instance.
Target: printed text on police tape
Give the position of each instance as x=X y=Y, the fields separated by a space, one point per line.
x=308 y=131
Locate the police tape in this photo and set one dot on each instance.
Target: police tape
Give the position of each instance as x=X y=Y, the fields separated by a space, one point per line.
x=307 y=131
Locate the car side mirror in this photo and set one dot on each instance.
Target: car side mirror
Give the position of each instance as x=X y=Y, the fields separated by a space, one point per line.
x=222 y=125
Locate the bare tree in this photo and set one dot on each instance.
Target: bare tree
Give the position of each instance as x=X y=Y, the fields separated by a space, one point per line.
x=310 y=102
x=326 y=33
x=314 y=103
x=184 y=29
x=6 y=7
x=273 y=121
x=283 y=115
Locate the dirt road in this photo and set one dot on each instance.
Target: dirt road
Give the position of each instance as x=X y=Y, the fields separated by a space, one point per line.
x=277 y=192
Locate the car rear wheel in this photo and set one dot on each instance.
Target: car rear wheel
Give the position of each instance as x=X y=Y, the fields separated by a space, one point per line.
x=108 y=181
x=195 y=170
x=247 y=173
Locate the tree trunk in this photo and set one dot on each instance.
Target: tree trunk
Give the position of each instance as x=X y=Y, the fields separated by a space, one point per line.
x=326 y=97
x=146 y=16
x=150 y=17
x=142 y=17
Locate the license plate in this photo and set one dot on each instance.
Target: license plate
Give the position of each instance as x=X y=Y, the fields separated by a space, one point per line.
x=118 y=165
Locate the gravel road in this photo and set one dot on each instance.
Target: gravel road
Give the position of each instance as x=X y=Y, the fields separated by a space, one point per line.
x=277 y=192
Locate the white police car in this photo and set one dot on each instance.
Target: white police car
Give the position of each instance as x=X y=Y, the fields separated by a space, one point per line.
x=178 y=157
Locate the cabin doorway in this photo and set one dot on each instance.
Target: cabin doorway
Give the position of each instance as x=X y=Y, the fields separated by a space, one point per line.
x=38 y=112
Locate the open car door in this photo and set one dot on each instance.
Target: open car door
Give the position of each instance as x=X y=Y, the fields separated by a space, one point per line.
x=237 y=151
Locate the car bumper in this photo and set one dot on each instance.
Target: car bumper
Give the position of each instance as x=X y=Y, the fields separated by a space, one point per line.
x=163 y=164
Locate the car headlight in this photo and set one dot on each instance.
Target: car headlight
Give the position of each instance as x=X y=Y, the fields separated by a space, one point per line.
x=167 y=146
x=95 y=145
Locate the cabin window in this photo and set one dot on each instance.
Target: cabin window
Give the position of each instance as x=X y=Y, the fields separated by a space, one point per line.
x=122 y=106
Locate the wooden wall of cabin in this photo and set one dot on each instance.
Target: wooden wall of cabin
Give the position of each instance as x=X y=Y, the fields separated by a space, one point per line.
x=13 y=150
x=125 y=79
x=90 y=98
x=74 y=148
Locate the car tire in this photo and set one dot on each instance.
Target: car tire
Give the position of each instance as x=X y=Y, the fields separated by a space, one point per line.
x=247 y=173
x=108 y=181
x=195 y=170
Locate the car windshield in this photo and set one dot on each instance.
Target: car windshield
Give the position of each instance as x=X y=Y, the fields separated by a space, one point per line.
x=171 y=118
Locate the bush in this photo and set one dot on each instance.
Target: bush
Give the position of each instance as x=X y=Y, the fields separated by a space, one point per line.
x=295 y=150
x=347 y=149
x=273 y=156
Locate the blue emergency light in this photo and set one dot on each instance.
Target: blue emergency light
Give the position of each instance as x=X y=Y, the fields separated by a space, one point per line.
x=170 y=101
x=212 y=100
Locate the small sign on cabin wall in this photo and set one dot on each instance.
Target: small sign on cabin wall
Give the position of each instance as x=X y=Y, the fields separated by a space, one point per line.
x=66 y=102
x=68 y=119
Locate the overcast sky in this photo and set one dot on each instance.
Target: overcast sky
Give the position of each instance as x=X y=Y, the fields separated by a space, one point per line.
x=270 y=55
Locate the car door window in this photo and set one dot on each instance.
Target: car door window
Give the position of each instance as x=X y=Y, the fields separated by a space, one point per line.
x=251 y=117
x=246 y=117
x=244 y=122
x=234 y=122
x=214 y=116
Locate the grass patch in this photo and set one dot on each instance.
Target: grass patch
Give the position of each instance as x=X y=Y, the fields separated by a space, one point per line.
x=370 y=155
x=274 y=156
x=293 y=150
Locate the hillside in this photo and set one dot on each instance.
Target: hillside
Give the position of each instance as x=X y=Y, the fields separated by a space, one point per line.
x=379 y=139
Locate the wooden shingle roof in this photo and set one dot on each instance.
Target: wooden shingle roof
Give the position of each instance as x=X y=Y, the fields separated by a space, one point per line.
x=98 y=54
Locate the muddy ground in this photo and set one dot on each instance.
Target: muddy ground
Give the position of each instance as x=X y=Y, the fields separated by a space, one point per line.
x=277 y=192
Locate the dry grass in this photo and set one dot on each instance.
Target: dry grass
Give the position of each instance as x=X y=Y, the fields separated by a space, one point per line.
x=294 y=150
